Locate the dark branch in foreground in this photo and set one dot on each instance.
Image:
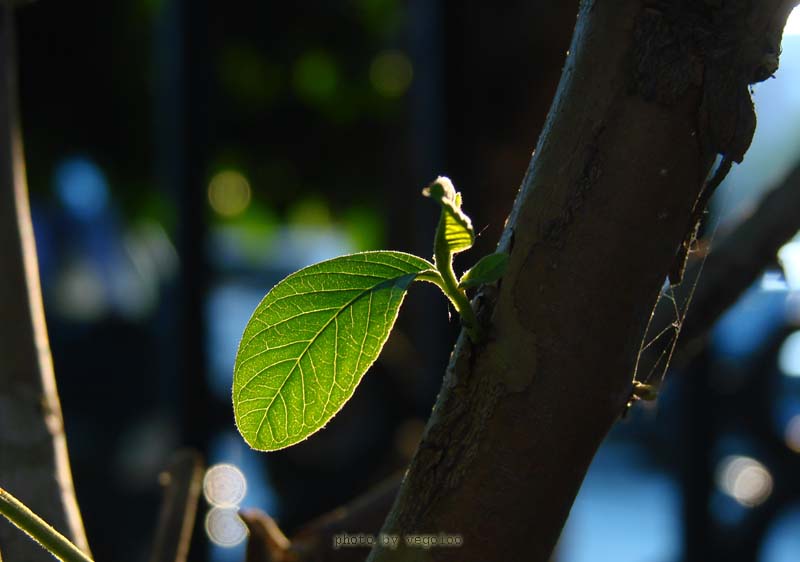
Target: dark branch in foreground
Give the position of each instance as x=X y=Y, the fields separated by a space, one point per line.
x=315 y=541
x=182 y=483
x=33 y=451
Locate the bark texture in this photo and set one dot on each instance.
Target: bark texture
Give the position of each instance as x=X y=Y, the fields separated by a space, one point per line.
x=651 y=93
x=33 y=453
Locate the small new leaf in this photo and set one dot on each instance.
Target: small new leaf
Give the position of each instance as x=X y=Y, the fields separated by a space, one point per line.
x=455 y=228
x=488 y=270
x=311 y=340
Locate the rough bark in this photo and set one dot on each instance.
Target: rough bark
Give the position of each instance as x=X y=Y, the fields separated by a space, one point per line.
x=33 y=453
x=651 y=93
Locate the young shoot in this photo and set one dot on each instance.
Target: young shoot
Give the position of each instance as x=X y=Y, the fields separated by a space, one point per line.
x=314 y=335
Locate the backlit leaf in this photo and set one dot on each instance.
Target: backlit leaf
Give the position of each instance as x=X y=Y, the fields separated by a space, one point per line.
x=310 y=341
x=455 y=227
x=488 y=270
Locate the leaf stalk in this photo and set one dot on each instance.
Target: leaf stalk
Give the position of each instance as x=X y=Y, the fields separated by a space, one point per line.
x=39 y=530
x=443 y=259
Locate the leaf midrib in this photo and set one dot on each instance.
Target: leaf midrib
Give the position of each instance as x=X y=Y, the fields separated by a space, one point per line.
x=302 y=354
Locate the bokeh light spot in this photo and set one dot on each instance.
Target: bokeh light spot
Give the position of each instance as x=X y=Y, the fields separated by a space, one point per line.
x=789 y=355
x=224 y=527
x=315 y=77
x=81 y=187
x=780 y=541
x=312 y=211
x=744 y=479
x=224 y=485
x=391 y=73
x=229 y=193
x=792 y=434
x=789 y=257
x=80 y=294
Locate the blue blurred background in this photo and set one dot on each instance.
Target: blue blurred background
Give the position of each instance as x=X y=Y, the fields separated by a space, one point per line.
x=185 y=156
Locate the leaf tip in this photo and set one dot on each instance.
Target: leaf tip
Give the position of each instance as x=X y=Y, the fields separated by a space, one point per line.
x=441 y=189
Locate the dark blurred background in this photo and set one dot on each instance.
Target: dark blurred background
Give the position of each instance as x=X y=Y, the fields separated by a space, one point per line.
x=184 y=156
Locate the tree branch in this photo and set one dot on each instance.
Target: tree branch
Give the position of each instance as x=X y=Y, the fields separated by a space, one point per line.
x=732 y=266
x=182 y=482
x=737 y=261
x=650 y=95
x=33 y=451
x=314 y=541
x=39 y=530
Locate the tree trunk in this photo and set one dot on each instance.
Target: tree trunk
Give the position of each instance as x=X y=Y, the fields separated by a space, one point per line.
x=651 y=93
x=33 y=453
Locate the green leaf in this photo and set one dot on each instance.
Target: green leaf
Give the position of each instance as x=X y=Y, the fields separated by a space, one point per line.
x=488 y=270
x=311 y=340
x=455 y=228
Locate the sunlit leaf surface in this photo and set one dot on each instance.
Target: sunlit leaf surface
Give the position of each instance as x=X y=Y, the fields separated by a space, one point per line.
x=311 y=340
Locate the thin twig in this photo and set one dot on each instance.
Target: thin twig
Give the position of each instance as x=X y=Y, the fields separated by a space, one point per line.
x=182 y=483
x=315 y=540
x=39 y=530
